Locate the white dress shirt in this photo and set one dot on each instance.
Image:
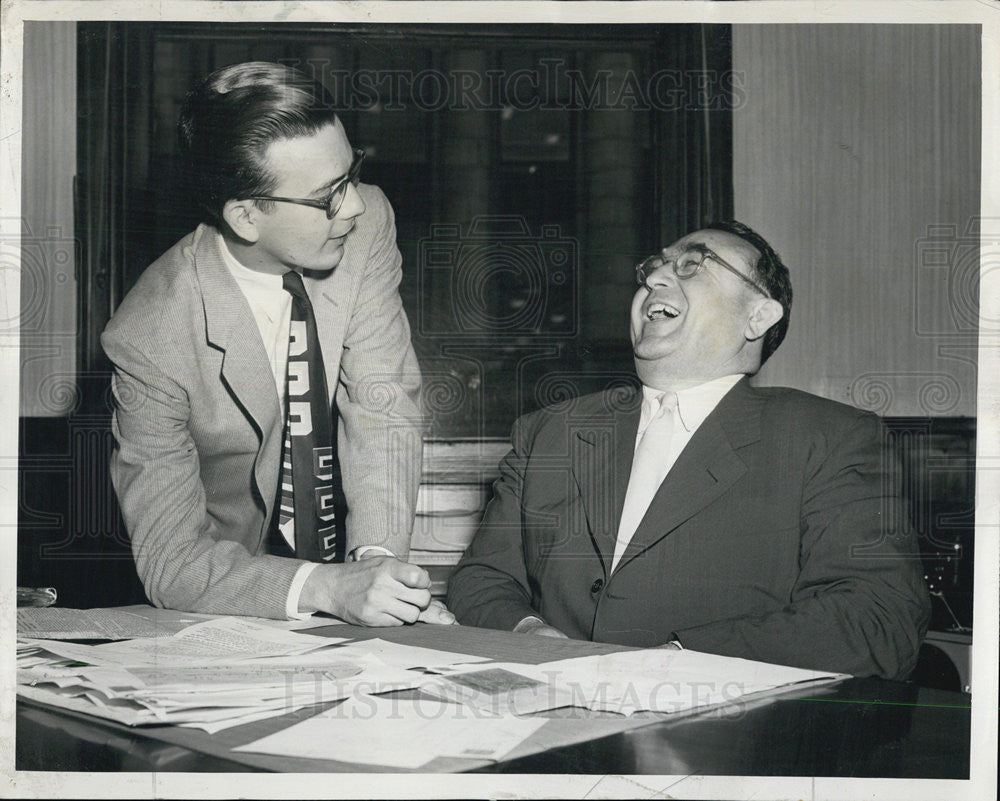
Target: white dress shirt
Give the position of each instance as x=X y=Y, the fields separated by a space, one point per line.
x=693 y=406
x=272 y=310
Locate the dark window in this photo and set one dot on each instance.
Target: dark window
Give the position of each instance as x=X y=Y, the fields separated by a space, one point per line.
x=529 y=168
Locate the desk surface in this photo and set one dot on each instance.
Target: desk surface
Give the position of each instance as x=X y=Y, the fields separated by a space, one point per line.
x=859 y=728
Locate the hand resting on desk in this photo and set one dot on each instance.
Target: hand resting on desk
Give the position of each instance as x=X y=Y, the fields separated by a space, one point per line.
x=376 y=591
x=532 y=625
x=535 y=625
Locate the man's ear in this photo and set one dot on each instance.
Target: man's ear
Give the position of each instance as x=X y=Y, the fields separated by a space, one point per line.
x=242 y=216
x=765 y=313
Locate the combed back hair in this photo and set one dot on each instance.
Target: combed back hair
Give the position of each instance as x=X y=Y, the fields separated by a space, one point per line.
x=771 y=273
x=228 y=121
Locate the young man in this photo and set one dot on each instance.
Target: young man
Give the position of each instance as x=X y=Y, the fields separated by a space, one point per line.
x=257 y=354
x=701 y=512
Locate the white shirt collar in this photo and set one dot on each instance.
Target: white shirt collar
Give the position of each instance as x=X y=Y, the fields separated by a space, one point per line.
x=693 y=404
x=244 y=274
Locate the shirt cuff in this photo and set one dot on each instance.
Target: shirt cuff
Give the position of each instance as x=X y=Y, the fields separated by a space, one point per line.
x=361 y=550
x=295 y=591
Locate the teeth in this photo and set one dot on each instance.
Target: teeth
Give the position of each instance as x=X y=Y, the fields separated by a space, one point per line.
x=661 y=310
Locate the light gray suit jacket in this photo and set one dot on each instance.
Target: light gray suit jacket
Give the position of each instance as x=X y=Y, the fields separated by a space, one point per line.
x=199 y=431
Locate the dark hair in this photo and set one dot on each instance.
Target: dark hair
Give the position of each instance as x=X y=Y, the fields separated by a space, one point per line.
x=771 y=273
x=228 y=121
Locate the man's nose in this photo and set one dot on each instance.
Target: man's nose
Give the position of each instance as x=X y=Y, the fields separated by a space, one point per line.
x=352 y=206
x=661 y=275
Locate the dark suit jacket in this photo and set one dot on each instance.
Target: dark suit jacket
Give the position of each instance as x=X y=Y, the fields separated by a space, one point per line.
x=198 y=427
x=774 y=537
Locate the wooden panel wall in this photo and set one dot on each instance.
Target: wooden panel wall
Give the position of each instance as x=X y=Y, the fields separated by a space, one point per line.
x=857 y=155
x=457 y=484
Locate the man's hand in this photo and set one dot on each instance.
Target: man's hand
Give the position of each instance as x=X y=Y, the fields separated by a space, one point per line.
x=376 y=591
x=532 y=625
x=437 y=612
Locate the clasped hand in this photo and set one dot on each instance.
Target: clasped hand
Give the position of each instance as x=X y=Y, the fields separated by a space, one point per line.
x=376 y=591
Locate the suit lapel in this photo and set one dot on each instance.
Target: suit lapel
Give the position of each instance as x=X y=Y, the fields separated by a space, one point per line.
x=707 y=467
x=334 y=294
x=601 y=457
x=327 y=293
x=246 y=369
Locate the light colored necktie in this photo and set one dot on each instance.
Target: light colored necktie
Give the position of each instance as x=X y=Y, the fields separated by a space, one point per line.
x=649 y=468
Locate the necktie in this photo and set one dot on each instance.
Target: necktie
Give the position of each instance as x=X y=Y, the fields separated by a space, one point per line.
x=308 y=461
x=649 y=468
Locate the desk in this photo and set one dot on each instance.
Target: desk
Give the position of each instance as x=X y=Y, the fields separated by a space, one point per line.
x=859 y=728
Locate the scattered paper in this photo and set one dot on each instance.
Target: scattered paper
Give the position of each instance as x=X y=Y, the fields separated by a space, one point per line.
x=130 y=622
x=69 y=700
x=300 y=624
x=87 y=624
x=399 y=733
x=225 y=638
x=252 y=716
x=407 y=656
x=654 y=679
x=217 y=672
x=213 y=694
x=500 y=689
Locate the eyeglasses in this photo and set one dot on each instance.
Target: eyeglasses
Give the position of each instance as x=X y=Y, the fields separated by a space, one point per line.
x=331 y=203
x=687 y=265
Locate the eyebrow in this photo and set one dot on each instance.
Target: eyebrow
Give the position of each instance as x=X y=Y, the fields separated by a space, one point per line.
x=320 y=191
x=334 y=181
x=700 y=247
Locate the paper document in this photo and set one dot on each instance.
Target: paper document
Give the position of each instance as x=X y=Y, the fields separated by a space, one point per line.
x=406 y=656
x=654 y=679
x=130 y=622
x=500 y=689
x=399 y=733
x=220 y=639
x=88 y=624
x=225 y=638
x=213 y=695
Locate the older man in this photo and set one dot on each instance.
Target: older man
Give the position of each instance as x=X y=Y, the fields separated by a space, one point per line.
x=702 y=512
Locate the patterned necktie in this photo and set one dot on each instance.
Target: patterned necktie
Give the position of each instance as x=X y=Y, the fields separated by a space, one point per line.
x=649 y=468
x=307 y=515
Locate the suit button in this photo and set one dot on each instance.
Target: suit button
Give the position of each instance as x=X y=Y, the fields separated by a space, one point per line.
x=597 y=586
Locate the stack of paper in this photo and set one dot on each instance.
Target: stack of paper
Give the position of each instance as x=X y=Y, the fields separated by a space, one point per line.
x=212 y=675
x=90 y=624
x=404 y=733
x=502 y=689
x=128 y=622
x=655 y=679
x=223 y=672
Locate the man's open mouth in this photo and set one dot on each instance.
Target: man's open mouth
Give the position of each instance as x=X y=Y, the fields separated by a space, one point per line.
x=659 y=311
